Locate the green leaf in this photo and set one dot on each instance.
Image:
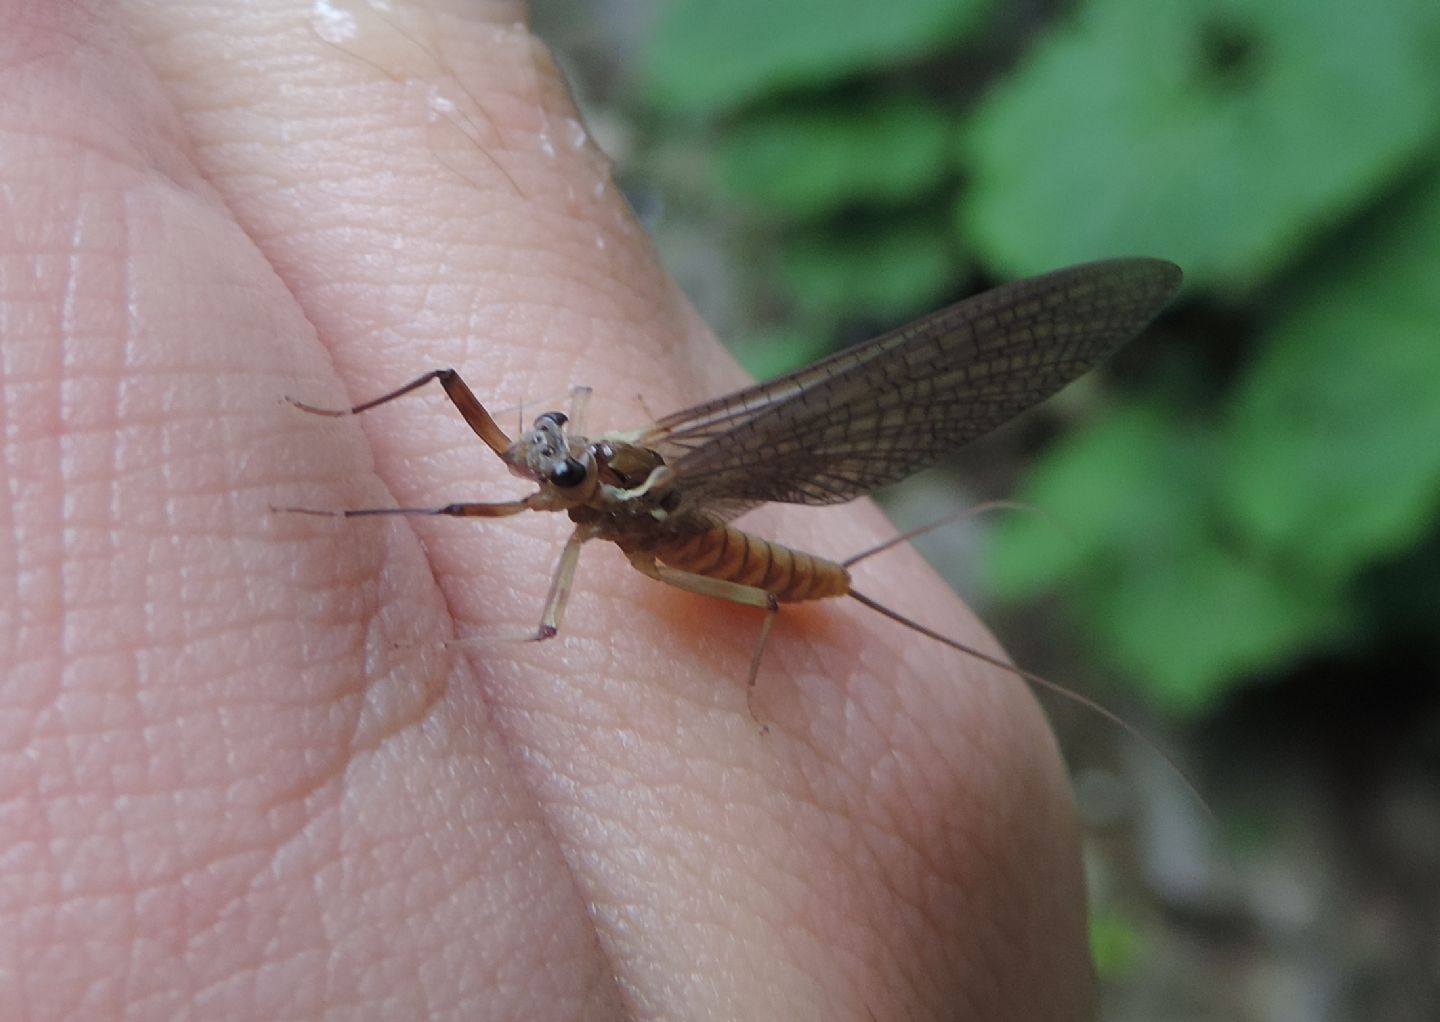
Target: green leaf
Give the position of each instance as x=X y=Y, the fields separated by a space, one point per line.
x=810 y=161
x=1188 y=627
x=707 y=57
x=1219 y=133
x=1334 y=435
x=1163 y=591
x=888 y=272
x=1123 y=484
x=1114 y=945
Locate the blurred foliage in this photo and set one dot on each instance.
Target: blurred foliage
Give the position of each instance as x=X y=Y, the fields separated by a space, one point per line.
x=710 y=58
x=1224 y=133
x=809 y=161
x=1114 y=945
x=1233 y=509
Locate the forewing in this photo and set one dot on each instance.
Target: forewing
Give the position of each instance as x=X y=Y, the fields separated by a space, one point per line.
x=873 y=414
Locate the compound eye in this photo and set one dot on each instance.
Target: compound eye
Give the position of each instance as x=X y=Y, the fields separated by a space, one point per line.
x=568 y=474
x=559 y=418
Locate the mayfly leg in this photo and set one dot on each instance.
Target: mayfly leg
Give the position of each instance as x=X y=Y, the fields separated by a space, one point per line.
x=579 y=397
x=474 y=414
x=460 y=394
x=719 y=589
x=479 y=420
x=499 y=509
x=560 y=585
x=579 y=405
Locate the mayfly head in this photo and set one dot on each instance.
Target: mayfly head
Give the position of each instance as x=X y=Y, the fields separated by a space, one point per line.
x=564 y=467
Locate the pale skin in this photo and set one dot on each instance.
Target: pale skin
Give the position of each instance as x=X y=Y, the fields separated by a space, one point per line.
x=241 y=777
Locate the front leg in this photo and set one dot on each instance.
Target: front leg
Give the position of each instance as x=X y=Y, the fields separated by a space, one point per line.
x=462 y=510
x=560 y=584
x=460 y=394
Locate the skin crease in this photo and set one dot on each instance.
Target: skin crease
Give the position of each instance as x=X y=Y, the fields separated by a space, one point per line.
x=239 y=778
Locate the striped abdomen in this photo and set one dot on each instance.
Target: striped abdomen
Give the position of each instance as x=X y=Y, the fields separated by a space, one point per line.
x=731 y=555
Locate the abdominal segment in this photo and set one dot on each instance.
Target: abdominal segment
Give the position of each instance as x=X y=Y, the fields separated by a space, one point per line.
x=731 y=555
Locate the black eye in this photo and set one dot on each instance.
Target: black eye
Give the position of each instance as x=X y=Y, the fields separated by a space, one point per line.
x=568 y=473
x=559 y=418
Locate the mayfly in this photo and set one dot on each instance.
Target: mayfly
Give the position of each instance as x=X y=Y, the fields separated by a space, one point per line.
x=841 y=428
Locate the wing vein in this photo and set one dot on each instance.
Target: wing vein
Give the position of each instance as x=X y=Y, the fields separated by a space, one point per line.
x=871 y=415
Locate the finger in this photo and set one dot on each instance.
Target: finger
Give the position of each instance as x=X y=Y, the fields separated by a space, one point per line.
x=216 y=762
x=897 y=778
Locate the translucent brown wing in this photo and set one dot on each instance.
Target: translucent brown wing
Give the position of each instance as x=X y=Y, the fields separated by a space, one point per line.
x=873 y=414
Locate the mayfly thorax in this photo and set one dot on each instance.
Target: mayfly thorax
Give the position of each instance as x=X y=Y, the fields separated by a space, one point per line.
x=841 y=428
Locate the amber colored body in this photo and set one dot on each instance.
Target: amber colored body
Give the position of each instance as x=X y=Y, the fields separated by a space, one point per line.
x=733 y=555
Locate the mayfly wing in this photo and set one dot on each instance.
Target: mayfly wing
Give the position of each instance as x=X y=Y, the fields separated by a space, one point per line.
x=873 y=414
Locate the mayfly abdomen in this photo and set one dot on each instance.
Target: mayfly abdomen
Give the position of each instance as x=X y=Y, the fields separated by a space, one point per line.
x=732 y=555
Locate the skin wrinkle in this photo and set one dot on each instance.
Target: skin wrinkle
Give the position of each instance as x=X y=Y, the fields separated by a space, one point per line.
x=345 y=860
x=918 y=895
x=824 y=817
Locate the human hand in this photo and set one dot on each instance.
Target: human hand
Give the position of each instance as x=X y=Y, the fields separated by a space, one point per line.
x=242 y=776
